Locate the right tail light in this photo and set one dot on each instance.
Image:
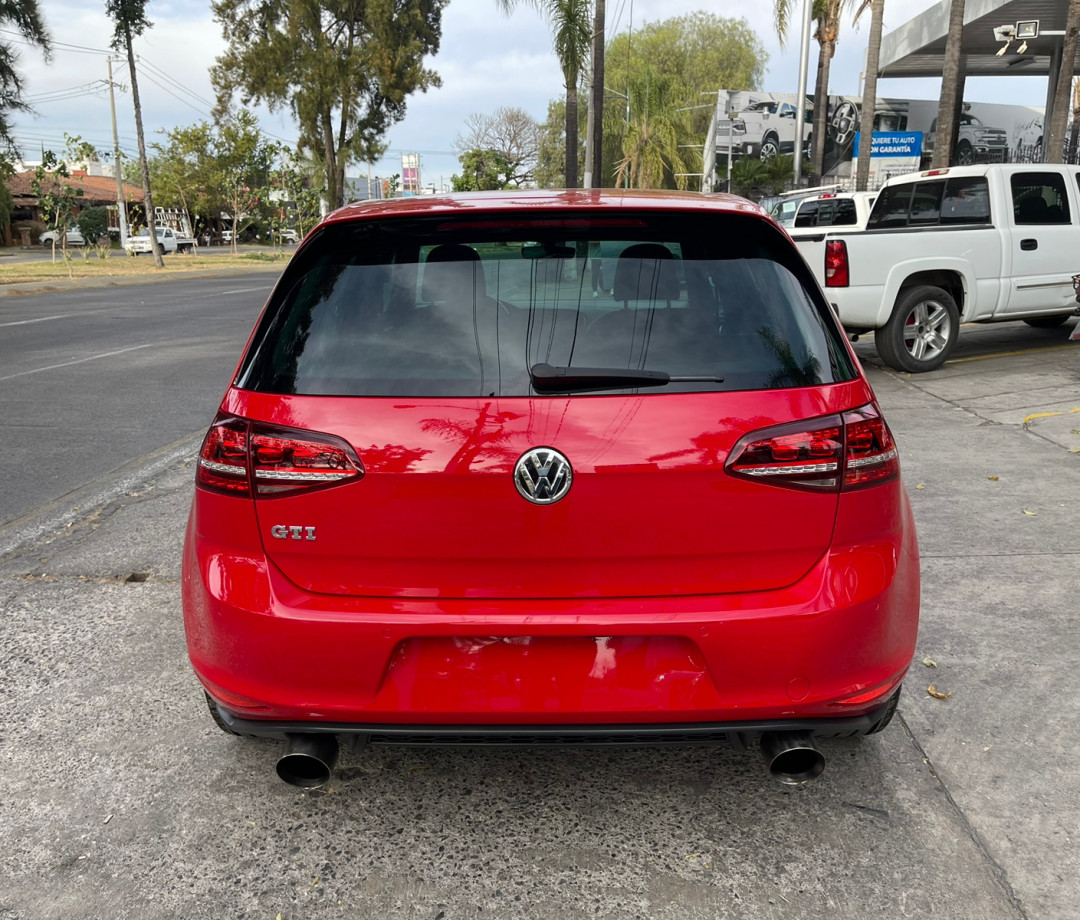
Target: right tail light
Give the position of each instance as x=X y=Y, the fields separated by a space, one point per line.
x=835 y=453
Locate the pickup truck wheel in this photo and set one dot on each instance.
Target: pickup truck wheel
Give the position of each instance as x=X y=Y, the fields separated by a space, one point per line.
x=964 y=154
x=770 y=147
x=921 y=331
x=1048 y=322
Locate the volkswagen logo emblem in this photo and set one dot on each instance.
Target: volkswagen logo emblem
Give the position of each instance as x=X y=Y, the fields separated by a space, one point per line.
x=543 y=475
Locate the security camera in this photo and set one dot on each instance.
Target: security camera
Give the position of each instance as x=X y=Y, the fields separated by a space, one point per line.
x=1005 y=33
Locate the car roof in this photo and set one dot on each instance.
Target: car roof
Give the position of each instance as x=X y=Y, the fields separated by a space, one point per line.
x=523 y=201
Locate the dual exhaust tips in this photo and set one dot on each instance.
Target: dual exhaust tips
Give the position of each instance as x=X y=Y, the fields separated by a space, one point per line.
x=309 y=759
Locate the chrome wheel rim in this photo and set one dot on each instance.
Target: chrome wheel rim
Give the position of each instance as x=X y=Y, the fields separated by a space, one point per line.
x=926 y=330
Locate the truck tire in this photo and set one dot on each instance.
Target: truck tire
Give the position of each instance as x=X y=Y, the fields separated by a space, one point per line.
x=1048 y=322
x=921 y=332
x=964 y=154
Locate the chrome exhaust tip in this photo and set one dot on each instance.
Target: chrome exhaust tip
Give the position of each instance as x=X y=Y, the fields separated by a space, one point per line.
x=308 y=760
x=792 y=757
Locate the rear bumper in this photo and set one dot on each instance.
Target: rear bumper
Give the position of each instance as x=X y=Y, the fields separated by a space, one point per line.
x=737 y=734
x=833 y=646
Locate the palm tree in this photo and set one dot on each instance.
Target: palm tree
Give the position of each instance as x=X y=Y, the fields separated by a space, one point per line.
x=18 y=17
x=869 y=102
x=596 y=103
x=951 y=83
x=130 y=19
x=826 y=14
x=1074 y=132
x=651 y=152
x=571 y=33
x=1060 y=114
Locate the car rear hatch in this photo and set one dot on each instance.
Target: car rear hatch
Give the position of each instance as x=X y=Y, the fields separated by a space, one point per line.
x=406 y=409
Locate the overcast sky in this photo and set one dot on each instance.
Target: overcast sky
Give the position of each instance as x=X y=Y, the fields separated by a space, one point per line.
x=486 y=60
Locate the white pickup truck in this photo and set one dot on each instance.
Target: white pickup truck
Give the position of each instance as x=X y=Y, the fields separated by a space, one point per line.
x=968 y=244
x=168 y=239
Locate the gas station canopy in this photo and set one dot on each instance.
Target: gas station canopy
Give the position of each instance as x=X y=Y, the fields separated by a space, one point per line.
x=917 y=48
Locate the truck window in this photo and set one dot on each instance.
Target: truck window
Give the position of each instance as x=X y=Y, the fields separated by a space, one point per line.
x=966 y=201
x=891 y=208
x=1039 y=198
x=808 y=214
x=926 y=203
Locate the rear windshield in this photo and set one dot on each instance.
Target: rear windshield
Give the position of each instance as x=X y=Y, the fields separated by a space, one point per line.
x=471 y=308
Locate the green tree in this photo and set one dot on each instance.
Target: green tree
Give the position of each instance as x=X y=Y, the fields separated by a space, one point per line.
x=7 y=200
x=94 y=226
x=130 y=19
x=652 y=156
x=23 y=18
x=245 y=158
x=345 y=69
x=56 y=197
x=513 y=132
x=748 y=177
x=702 y=51
x=186 y=174
x=299 y=185
x=571 y=33
x=482 y=171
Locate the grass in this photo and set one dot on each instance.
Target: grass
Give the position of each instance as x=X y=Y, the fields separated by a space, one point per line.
x=121 y=265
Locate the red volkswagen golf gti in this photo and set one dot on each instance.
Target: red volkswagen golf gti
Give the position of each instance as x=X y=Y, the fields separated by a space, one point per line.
x=549 y=467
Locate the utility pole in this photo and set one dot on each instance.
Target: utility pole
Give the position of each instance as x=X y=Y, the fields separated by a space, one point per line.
x=121 y=205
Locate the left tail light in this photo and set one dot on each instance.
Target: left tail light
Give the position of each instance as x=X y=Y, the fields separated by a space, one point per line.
x=241 y=457
x=835 y=453
x=837 y=272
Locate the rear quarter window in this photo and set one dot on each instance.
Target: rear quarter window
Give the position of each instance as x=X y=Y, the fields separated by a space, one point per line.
x=414 y=307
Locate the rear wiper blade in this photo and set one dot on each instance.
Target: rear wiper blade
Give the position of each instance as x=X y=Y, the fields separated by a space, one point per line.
x=549 y=379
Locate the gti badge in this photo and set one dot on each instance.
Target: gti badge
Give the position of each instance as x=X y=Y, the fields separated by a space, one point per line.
x=543 y=475
x=285 y=531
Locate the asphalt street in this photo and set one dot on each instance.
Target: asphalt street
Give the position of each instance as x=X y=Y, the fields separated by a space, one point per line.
x=120 y=798
x=92 y=377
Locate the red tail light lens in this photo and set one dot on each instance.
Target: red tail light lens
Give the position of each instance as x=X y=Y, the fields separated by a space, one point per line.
x=223 y=458
x=836 y=264
x=792 y=455
x=238 y=455
x=830 y=454
x=871 y=456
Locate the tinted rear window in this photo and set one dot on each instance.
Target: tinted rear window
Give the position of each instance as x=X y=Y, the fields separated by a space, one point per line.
x=431 y=307
x=958 y=200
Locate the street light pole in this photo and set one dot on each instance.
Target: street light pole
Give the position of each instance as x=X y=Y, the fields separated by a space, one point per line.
x=800 y=112
x=121 y=206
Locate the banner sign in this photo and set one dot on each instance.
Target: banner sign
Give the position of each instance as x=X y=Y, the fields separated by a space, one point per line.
x=893 y=144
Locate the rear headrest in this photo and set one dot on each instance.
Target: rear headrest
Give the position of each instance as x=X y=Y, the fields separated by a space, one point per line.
x=646 y=271
x=453 y=273
x=1032 y=209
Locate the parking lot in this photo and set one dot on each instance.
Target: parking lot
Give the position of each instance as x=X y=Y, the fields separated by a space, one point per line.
x=122 y=799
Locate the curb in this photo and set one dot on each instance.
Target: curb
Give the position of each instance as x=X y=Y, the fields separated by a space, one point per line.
x=26 y=288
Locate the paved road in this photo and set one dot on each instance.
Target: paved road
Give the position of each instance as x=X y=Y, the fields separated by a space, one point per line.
x=121 y=799
x=93 y=378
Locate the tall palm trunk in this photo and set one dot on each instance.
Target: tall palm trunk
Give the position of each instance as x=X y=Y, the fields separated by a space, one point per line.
x=148 y=201
x=571 y=132
x=869 y=100
x=821 y=104
x=596 y=103
x=949 y=105
x=1074 y=133
x=1060 y=115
